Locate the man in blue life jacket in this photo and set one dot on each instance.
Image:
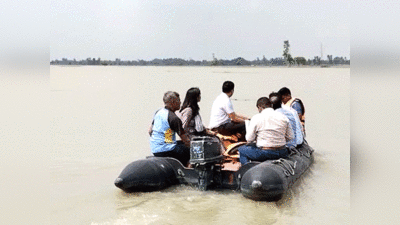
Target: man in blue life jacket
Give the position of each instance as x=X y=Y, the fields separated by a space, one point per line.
x=293 y=117
x=163 y=129
x=295 y=103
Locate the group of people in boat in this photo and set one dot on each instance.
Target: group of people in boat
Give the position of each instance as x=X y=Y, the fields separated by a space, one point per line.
x=270 y=134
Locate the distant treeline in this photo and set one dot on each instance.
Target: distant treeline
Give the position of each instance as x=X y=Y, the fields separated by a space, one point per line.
x=215 y=62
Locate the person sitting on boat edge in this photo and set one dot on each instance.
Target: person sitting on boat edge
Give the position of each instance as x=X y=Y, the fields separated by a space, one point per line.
x=293 y=117
x=270 y=130
x=190 y=116
x=191 y=119
x=295 y=103
x=223 y=118
x=163 y=129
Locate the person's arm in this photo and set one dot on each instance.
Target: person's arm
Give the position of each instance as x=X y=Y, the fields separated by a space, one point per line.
x=237 y=118
x=176 y=125
x=298 y=125
x=151 y=129
x=296 y=106
x=220 y=136
x=243 y=117
x=185 y=139
x=186 y=116
x=251 y=133
x=289 y=135
x=151 y=125
x=210 y=132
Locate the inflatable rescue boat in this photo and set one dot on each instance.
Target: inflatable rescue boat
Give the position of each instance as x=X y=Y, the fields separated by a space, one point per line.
x=213 y=166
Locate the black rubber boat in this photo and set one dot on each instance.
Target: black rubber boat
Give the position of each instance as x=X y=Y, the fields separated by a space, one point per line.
x=267 y=180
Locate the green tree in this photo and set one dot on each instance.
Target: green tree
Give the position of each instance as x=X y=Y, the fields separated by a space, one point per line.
x=330 y=59
x=215 y=61
x=317 y=60
x=286 y=53
x=300 y=60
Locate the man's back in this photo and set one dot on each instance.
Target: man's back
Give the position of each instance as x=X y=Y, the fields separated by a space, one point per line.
x=165 y=125
x=270 y=129
x=294 y=124
x=222 y=106
x=299 y=127
x=297 y=105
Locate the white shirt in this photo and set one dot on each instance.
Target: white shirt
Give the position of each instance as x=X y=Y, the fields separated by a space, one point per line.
x=269 y=129
x=220 y=109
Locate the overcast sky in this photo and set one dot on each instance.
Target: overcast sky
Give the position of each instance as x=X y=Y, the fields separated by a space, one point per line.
x=148 y=29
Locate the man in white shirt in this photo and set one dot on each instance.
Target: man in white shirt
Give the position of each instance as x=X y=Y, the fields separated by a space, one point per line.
x=270 y=130
x=223 y=118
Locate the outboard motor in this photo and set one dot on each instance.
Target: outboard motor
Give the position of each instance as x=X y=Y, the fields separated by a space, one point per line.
x=205 y=157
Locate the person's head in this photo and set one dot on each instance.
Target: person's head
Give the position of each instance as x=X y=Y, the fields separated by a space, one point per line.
x=171 y=100
x=285 y=94
x=193 y=96
x=276 y=100
x=228 y=88
x=263 y=103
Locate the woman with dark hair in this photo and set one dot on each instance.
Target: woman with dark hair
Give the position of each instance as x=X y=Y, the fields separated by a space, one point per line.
x=189 y=114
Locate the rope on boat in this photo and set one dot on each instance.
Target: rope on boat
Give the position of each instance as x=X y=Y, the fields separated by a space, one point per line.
x=239 y=179
x=289 y=168
x=181 y=173
x=309 y=151
x=294 y=151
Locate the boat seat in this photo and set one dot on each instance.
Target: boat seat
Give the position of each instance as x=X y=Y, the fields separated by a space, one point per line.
x=230 y=146
x=232 y=149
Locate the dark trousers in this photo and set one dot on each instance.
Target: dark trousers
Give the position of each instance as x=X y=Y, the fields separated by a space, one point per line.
x=180 y=152
x=232 y=128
